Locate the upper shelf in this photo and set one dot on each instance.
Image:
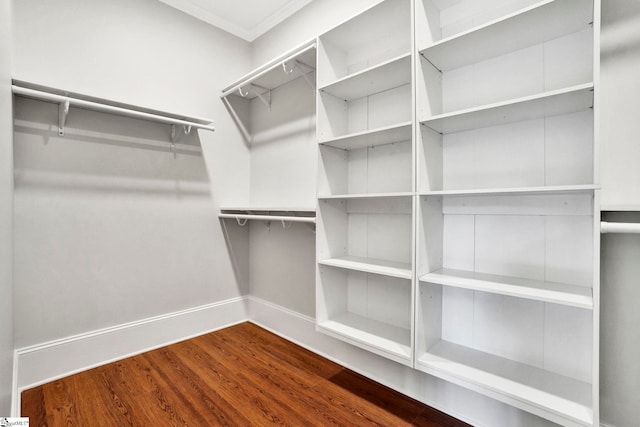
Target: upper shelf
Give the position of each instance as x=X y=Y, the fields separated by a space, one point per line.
x=387 y=75
x=283 y=214
x=65 y=100
x=553 y=103
x=297 y=62
x=536 y=24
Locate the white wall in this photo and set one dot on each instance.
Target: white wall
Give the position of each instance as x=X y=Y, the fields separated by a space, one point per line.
x=109 y=227
x=620 y=85
x=620 y=340
x=6 y=211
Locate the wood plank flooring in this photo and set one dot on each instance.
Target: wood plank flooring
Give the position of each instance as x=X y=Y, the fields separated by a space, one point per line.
x=239 y=376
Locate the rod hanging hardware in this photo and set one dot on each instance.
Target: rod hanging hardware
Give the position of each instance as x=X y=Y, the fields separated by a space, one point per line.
x=284 y=67
x=63 y=112
x=619 y=227
x=261 y=92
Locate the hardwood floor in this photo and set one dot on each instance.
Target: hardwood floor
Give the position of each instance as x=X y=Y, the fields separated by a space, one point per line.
x=238 y=376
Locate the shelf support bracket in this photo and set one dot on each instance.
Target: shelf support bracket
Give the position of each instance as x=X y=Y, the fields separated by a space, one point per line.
x=63 y=112
x=306 y=71
x=264 y=94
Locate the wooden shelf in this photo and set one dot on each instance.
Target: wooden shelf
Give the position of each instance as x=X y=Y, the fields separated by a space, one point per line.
x=382 y=338
x=370 y=138
x=536 y=24
x=370 y=265
x=388 y=75
x=553 y=103
x=523 y=386
x=558 y=293
x=560 y=189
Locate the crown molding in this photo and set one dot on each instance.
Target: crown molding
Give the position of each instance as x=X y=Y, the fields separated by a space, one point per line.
x=248 y=34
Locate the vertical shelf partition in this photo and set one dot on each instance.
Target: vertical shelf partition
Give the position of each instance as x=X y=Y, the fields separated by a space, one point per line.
x=365 y=248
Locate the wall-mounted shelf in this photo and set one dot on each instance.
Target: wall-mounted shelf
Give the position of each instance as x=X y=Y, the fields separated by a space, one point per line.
x=388 y=75
x=536 y=24
x=368 y=265
x=298 y=62
x=283 y=215
x=538 y=290
x=556 y=189
x=552 y=103
x=371 y=138
x=562 y=398
x=66 y=100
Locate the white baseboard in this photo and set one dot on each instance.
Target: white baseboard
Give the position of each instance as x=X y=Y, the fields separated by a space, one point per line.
x=49 y=361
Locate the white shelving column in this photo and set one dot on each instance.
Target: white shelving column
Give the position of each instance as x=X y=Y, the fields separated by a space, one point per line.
x=365 y=224
x=507 y=299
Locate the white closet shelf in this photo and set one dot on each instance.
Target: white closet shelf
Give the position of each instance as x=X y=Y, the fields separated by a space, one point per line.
x=370 y=265
x=552 y=103
x=293 y=64
x=379 y=78
x=366 y=196
x=65 y=100
x=535 y=390
x=558 y=189
x=379 y=337
x=536 y=24
x=370 y=138
x=558 y=293
x=270 y=214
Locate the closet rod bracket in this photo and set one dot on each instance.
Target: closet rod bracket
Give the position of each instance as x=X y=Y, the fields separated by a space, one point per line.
x=306 y=71
x=63 y=112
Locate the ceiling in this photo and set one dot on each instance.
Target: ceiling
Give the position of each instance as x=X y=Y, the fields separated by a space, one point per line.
x=247 y=19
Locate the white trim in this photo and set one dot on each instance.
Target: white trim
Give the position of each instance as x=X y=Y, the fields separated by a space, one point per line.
x=77 y=353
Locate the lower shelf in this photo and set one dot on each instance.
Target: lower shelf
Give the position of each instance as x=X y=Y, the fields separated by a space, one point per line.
x=387 y=340
x=553 y=396
x=369 y=265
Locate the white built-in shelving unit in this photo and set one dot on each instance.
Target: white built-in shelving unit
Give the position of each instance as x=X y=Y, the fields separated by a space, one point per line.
x=507 y=294
x=365 y=277
x=458 y=213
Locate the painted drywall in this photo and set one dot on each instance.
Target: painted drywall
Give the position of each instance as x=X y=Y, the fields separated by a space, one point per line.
x=620 y=339
x=6 y=212
x=110 y=226
x=620 y=67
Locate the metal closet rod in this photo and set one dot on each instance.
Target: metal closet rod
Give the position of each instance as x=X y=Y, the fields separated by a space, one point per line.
x=32 y=93
x=619 y=227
